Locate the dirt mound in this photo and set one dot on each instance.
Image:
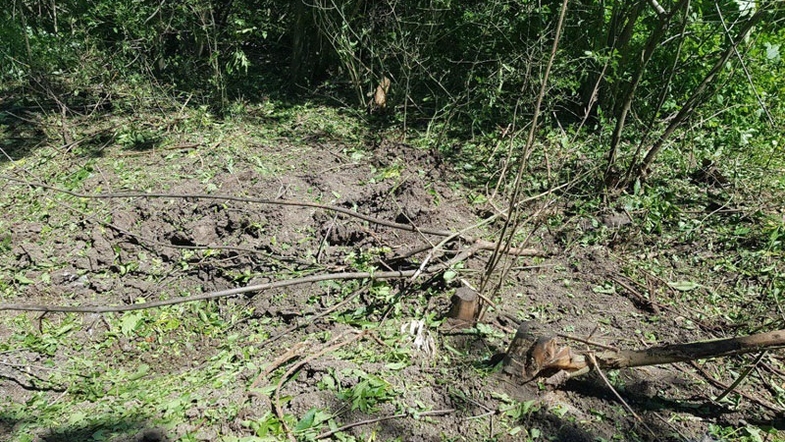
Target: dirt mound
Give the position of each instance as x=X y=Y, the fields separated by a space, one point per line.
x=127 y=250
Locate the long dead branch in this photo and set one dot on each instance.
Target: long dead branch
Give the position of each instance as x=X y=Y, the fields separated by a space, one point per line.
x=210 y=295
x=483 y=244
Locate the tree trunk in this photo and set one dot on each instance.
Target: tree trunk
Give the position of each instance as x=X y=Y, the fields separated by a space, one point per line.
x=535 y=353
x=629 y=96
x=695 y=99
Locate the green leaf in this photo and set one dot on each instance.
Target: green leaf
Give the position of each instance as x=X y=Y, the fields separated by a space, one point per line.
x=306 y=421
x=143 y=370
x=610 y=290
x=684 y=286
x=772 y=52
x=64 y=329
x=396 y=365
x=327 y=383
x=264 y=391
x=76 y=418
x=5 y=243
x=24 y=280
x=129 y=323
x=754 y=433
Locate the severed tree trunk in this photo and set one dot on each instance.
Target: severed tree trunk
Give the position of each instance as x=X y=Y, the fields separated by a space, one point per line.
x=534 y=354
x=692 y=351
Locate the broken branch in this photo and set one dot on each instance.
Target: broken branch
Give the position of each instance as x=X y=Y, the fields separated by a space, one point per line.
x=533 y=354
x=408 y=227
x=210 y=295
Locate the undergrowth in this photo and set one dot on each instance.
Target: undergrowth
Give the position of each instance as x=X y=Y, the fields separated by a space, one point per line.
x=712 y=252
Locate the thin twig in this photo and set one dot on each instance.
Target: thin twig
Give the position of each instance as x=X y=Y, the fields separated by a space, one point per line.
x=382 y=419
x=754 y=89
x=587 y=342
x=697 y=96
x=137 y=194
x=311 y=320
x=741 y=377
x=511 y=222
x=718 y=384
x=204 y=246
x=277 y=394
x=637 y=295
x=408 y=227
x=624 y=403
x=160 y=149
x=294 y=351
x=209 y=295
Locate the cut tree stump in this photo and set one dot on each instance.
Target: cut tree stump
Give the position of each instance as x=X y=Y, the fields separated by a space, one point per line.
x=465 y=306
x=535 y=353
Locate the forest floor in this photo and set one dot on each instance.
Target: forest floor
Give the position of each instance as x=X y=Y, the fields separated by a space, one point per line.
x=354 y=359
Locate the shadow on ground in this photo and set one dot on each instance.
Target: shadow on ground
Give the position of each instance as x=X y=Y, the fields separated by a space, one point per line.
x=122 y=430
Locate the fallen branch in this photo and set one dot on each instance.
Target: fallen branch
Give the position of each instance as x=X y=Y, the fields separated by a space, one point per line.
x=531 y=355
x=483 y=244
x=210 y=295
x=692 y=351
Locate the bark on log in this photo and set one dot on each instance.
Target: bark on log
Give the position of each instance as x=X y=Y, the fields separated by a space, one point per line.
x=465 y=305
x=692 y=351
x=534 y=352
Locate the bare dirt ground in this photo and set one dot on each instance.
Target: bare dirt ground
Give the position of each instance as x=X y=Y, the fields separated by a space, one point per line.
x=120 y=251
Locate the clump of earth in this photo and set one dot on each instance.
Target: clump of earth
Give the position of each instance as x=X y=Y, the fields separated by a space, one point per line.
x=446 y=386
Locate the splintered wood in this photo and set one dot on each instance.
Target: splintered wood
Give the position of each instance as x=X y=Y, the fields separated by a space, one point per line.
x=535 y=353
x=532 y=355
x=465 y=306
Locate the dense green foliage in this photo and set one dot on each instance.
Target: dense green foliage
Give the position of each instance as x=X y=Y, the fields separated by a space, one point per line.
x=649 y=70
x=672 y=117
